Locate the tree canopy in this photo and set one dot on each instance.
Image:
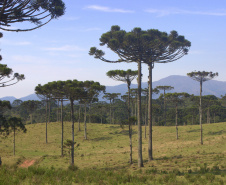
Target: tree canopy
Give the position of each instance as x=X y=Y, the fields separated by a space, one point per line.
x=38 y=12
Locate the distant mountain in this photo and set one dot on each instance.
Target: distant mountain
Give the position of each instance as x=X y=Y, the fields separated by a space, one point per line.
x=180 y=84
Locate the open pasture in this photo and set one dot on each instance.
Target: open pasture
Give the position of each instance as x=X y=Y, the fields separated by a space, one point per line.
x=105 y=155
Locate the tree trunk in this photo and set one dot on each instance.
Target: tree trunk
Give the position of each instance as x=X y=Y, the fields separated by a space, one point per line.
x=62 y=130
x=150 y=152
x=146 y=115
x=31 y=119
x=130 y=126
x=164 y=108
x=140 y=158
x=79 y=114
x=110 y=112
x=14 y=140
x=72 y=132
x=49 y=110
x=46 y=119
x=200 y=112
x=85 y=131
x=89 y=113
x=176 y=121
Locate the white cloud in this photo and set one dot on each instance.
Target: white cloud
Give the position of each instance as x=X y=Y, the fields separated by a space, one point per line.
x=171 y=11
x=11 y=43
x=65 y=48
x=107 y=9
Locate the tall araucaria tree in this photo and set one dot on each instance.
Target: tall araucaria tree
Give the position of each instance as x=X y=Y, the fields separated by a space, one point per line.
x=91 y=92
x=127 y=77
x=73 y=90
x=176 y=99
x=164 y=88
x=57 y=92
x=111 y=97
x=142 y=46
x=45 y=93
x=37 y=12
x=201 y=77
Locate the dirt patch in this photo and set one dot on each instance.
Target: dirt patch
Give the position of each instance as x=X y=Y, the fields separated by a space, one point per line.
x=27 y=163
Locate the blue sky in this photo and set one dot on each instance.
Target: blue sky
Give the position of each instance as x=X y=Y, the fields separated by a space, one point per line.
x=59 y=50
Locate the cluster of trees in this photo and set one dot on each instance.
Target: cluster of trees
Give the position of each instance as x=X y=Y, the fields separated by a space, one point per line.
x=140 y=46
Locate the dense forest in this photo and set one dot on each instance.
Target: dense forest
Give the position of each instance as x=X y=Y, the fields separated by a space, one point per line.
x=214 y=110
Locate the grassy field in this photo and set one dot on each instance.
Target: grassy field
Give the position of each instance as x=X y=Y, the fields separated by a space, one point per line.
x=104 y=157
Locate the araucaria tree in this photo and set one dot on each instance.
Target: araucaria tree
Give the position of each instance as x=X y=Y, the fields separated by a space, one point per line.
x=73 y=90
x=111 y=97
x=176 y=98
x=7 y=77
x=37 y=12
x=91 y=92
x=164 y=88
x=127 y=77
x=15 y=124
x=143 y=46
x=201 y=77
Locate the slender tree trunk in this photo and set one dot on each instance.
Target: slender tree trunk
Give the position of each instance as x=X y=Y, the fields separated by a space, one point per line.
x=49 y=110
x=46 y=120
x=200 y=112
x=79 y=114
x=164 y=108
x=214 y=118
x=85 y=131
x=14 y=140
x=72 y=132
x=176 y=121
x=208 y=115
x=130 y=127
x=140 y=158
x=62 y=130
x=89 y=113
x=110 y=112
x=31 y=119
x=146 y=116
x=150 y=152
x=58 y=110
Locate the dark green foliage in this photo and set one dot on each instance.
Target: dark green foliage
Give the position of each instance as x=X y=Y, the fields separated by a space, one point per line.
x=36 y=12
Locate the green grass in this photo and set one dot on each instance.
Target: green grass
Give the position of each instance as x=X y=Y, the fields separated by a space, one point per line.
x=104 y=157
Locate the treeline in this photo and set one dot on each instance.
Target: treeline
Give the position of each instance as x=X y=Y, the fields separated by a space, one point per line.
x=214 y=110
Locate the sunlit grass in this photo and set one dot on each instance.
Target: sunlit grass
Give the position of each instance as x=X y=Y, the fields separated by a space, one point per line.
x=107 y=147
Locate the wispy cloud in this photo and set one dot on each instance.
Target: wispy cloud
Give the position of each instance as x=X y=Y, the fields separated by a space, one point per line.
x=172 y=11
x=65 y=48
x=11 y=43
x=107 y=9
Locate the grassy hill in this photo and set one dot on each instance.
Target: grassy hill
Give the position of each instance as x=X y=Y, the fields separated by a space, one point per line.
x=105 y=155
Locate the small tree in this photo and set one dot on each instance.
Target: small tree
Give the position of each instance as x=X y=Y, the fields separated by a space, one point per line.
x=176 y=98
x=91 y=92
x=201 y=77
x=15 y=124
x=111 y=97
x=164 y=88
x=31 y=106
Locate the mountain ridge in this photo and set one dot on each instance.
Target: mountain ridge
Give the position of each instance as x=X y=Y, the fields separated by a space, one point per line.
x=180 y=84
